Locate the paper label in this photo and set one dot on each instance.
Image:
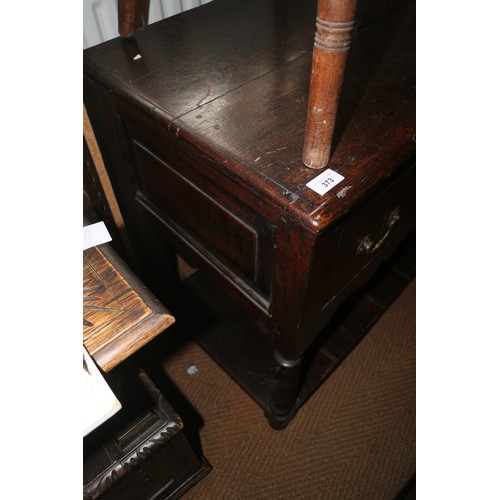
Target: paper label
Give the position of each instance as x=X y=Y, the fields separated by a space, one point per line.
x=95 y=234
x=99 y=401
x=325 y=181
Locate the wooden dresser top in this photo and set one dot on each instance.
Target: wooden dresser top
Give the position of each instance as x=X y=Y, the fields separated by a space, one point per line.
x=231 y=80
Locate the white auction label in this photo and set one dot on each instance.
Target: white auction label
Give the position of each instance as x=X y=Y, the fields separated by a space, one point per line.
x=325 y=181
x=95 y=234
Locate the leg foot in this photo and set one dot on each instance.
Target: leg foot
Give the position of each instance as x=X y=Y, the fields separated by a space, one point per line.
x=281 y=407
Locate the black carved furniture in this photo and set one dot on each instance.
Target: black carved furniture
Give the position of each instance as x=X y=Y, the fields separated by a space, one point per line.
x=141 y=451
x=201 y=118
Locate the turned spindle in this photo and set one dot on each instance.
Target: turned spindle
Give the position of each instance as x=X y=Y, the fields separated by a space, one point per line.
x=334 y=24
x=126 y=17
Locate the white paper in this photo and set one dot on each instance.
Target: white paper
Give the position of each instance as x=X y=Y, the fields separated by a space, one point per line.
x=325 y=181
x=99 y=402
x=95 y=234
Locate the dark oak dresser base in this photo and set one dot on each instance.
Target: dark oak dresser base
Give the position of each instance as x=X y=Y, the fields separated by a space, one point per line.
x=201 y=118
x=228 y=337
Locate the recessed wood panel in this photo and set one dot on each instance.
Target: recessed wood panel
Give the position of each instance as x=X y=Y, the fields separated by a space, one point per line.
x=179 y=199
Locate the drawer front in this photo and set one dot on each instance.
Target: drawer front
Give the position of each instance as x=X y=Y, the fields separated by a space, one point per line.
x=228 y=236
x=195 y=212
x=368 y=236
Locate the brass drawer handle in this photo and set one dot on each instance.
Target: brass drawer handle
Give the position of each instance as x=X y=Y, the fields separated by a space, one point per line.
x=368 y=245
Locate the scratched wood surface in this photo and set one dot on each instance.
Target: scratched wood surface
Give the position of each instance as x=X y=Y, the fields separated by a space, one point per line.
x=117 y=321
x=239 y=95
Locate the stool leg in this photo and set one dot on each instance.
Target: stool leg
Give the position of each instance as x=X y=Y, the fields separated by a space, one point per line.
x=281 y=407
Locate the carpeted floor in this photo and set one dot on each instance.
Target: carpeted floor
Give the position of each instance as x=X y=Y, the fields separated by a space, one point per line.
x=354 y=439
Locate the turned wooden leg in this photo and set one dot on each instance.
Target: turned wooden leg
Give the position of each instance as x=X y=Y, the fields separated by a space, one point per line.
x=281 y=407
x=132 y=15
x=126 y=17
x=331 y=44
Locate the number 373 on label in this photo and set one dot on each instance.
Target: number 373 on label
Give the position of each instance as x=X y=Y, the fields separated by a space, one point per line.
x=325 y=181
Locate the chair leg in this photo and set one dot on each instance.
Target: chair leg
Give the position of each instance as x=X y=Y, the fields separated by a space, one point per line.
x=126 y=17
x=334 y=25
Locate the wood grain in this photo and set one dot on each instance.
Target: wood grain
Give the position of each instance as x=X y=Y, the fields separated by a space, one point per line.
x=203 y=139
x=102 y=173
x=126 y=17
x=116 y=319
x=252 y=116
x=334 y=25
